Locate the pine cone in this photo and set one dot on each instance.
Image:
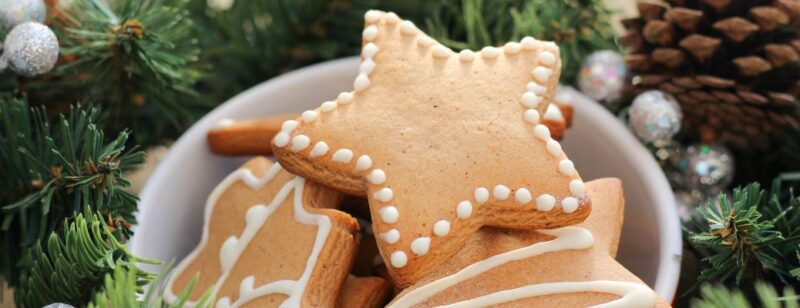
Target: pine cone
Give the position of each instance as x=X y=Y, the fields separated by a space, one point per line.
x=732 y=64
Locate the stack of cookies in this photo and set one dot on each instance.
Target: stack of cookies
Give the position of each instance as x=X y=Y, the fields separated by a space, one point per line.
x=437 y=181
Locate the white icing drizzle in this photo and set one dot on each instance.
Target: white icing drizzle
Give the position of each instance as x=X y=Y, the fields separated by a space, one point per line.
x=255 y=217
x=542 y=132
x=501 y=192
x=439 y=51
x=542 y=74
x=545 y=202
x=372 y=16
x=512 y=48
x=566 y=167
x=366 y=67
x=523 y=196
x=577 y=188
x=327 y=106
x=441 y=228
x=464 y=209
x=399 y=259
x=425 y=41
x=481 y=195
x=531 y=116
x=489 y=52
x=377 y=177
x=569 y=204
x=361 y=83
x=363 y=163
x=408 y=27
x=554 y=148
x=392 y=18
x=567 y=238
x=300 y=142
x=420 y=245
x=384 y=195
x=528 y=43
x=345 y=98
x=281 y=139
x=553 y=113
x=309 y=116
x=531 y=100
x=370 y=33
x=389 y=214
x=536 y=88
x=466 y=55
x=343 y=156
x=319 y=149
x=391 y=236
x=289 y=126
x=547 y=58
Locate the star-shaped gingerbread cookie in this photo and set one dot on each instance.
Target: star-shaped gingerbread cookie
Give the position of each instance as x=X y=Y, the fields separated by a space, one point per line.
x=269 y=240
x=568 y=267
x=441 y=143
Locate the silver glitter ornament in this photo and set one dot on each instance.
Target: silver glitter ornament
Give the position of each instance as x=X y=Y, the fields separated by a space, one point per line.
x=59 y=305
x=30 y=49
x=15 y=12
x=603 y=76
x=707 y=169
x=655 y=115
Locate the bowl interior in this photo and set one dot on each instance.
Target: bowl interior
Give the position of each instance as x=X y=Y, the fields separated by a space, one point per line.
x=172 y=202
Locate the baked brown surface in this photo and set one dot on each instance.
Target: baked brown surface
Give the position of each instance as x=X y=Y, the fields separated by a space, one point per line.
x=281 y=248
x=364 y=292
x=437 y=129
x=246 y=137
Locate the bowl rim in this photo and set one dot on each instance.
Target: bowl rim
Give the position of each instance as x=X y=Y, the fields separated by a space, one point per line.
x=670 y=235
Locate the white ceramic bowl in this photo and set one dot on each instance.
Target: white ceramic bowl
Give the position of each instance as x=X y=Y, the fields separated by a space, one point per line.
x=172 y=201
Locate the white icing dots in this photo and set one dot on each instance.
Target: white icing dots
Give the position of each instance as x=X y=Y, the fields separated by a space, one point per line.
x=531 y=100
x=228 y=253
x=528 y=43
x=545 y=202
x=319 y=149
x=441 y=228
x=501 y=192
x=566 y=167
x=489 y=52
x=344 y=98
x=370 y=33
x=309 y=116
x=327 y=106
x=464 y=209
x=481 y=195
x=553 y=113
x=372 y=16
x=363 y=162
x=362 y=82
x=384 y=195
x=425 y=41
x=420 y=245
x=577 y=188
x=391 y=236
x=542 y=74
x=542 y=132
x=366 y=67
x=281 y=139
x=289 y=126
x=547 y=58
x=392 y=18
x=300 y=142
x=512 y=48
x=523 y=196
x=536 y=88
x=389 y=214
x=370 y=50
x=554 y=148
x=408 y=27
x=399 y=259
x=531 y=116
x=466 y=55
x=343 y=156
x=569 y=204
x=377 y=177
x=439 y=51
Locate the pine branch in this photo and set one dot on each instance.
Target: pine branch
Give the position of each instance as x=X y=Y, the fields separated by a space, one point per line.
x=134 y=57
x=52 y=171
x=122 y=289
x=71 y=265
x=756 y=236
x=767 y=296
x=579 y=27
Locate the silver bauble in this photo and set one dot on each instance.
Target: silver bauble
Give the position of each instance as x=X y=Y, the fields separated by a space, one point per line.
x=707 y=169
x=15 y=12
x=30 y=49
x=603 y=77
x=655 y=115
x=59 y=305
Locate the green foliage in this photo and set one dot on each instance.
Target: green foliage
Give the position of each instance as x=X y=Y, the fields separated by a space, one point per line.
x=756 y=236
x=122 y=289
x=579 y=27
x=131 y=56
x=722 y=297
x=71 y=265
x=53 y=169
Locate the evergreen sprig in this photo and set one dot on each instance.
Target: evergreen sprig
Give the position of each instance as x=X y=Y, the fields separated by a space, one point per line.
x=134 y=57
x=754 y=236
x=54 y=169
x=718 y=296
x=579 y=27
x=70 y=266
x=122 y=289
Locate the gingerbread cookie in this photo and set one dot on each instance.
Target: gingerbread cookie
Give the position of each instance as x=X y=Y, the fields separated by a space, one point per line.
x=566 y=267
x=247 y=137
x=364 y=292
x=251 y=137
x=441 y=143
x=269 y=241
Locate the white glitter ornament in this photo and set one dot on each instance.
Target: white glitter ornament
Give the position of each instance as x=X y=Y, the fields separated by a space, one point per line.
x=655 y=115
x=707 y=169
x=603 y=76
x=30 y=49
x=15 y=12
x=59 y=305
